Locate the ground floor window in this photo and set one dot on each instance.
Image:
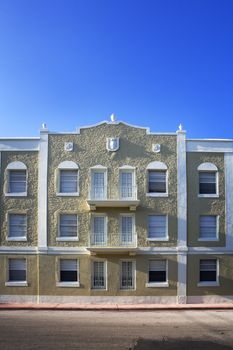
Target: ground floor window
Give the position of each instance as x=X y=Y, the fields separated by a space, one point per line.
x=208 y=270
x=69 y=270
x=127 y=275
x=98 y=275
x=157 y=271
x=17 y=270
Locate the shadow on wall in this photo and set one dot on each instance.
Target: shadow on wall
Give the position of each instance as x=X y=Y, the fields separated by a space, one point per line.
x=184 y=344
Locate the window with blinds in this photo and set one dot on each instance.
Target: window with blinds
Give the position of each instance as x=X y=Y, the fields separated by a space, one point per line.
x=99 y=230
x=157 y=226
x=207 y=182
x=126 y=229
x=17 y=181
x=17 y=226
x=69 y=270
x=157 y=271
x=98 y=275
x=68 y=181
x=157 y=181
x=17 y=270
x=68 y=225
x=208 y=226
x=127 y=275
x=208 y=270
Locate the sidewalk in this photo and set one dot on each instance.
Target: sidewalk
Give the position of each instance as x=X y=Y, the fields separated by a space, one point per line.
x=115 y=307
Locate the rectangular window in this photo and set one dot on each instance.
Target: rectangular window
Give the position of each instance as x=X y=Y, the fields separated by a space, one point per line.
x=207 y=182
x=157 y=271
x=126 y=184
x=126 y=229
x=99 y=236
x=208 y=270
x=208 y=227
x=17 y=226
x=68 y=270
x=17 y=181
x=157 y=228
x=17 y=270
x=98 y=275
x=68 y=181
x=99 y=189
x=127 y=275
x=157 y=181
x=68 y=225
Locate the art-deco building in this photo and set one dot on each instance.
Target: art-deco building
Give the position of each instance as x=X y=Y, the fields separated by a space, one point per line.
x=116 y=213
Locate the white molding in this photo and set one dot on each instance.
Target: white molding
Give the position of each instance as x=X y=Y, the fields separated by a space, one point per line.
x=207 y=166
x=19 y=144
x=16 y=284
x=68 y=164
x=182 y=277
x=18 y=250
x=156 y=165
x=67 y=250
x=16 y=166
x=68 y=284
x=154 y=194
x=43 y=190
x=127 y=167
x=228 y=162
x=157 y=284
x=156 y=250
x=210 y=145
x=208 y=284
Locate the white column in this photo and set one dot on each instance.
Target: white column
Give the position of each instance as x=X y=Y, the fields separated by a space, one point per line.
x=181 y=217
x=228 y=160
x=43 y=189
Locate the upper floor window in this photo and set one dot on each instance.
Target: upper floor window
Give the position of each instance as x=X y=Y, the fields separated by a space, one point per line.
x=68 y=227
x=157 y=179
x=98 y=182
x=99 y=230
x=68 y=178
x=127 y=182
x=208 y=179
x=157 y=227
x=17 y=227
x=16 y=179
x=127 y=229
x=208 y=227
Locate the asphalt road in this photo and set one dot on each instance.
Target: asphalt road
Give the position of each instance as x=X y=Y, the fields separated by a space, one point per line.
x=140 y=330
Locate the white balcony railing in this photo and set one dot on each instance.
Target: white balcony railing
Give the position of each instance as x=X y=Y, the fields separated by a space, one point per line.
x=113 y=240
x=121 y=193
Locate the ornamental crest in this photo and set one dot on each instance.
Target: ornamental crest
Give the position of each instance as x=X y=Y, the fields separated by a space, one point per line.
x=112 y=144
x=156 y=147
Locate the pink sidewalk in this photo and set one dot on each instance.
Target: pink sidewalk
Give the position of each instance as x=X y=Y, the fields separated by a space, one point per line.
x=114 y=307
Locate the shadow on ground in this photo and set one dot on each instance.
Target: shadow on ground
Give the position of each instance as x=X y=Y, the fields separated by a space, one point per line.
x=184 y=344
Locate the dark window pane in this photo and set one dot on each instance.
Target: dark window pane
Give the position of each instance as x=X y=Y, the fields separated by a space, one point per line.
x=207 y=276
x=207 y=188
x=157 y=276
x=17 y=275
x=68 y=276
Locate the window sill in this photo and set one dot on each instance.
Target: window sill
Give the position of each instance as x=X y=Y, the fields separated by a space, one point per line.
x=71 y=194
x=156 y=194
x=16 y=284
x=17 y=239
x=68 y=284
x=208 y=239
x=163 y=239
x=208 y=196
x=16 y=194
x=208 y=284
x=98 y=289
x=157 y=285
x=67 y=239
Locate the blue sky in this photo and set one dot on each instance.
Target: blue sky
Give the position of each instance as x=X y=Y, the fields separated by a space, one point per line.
x=152 y=62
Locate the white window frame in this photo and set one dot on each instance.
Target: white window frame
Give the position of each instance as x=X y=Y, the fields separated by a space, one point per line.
x=156 y=166
x=9 y=283
x=60 y=238
x=66 y=165
x=68 y=284
x=210 y=168
x=165 y=238
x=16 y=239
x=105 y=275
x=15 y=166
x=93 y=215
x=157 y=284
x=208 y=283
x=217 y=231
x=133 y=275
x=127 y=169
x=100 y=169
x=134 y=235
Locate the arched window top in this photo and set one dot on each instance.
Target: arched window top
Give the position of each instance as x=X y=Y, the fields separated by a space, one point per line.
x=99 y=167
x=207 y=167
x=156 y=166
x=16 y=166
x=68 y=164
x=126 y=167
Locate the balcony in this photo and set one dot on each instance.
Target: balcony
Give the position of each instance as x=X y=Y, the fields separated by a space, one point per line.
x=113 y=242
x=123 y=196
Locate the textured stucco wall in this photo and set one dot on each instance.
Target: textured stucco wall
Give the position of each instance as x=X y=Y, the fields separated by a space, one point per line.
x=27 y=204
x=204 y=206
x=225 y=275
x=49 y=271
x=135 y=150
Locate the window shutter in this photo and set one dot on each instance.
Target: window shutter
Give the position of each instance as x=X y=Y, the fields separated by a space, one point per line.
x=157 y=265
x=208 y=264
x=68 y=265
x=157 y=226
x=208 y=226
x=17 y=264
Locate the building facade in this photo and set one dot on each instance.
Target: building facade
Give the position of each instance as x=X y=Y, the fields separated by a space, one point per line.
x=115 y=213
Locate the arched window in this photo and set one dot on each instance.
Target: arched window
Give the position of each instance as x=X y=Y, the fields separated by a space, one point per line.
x=16 y=184
x=68 y=179
x=208 y=179
x=157 y=179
